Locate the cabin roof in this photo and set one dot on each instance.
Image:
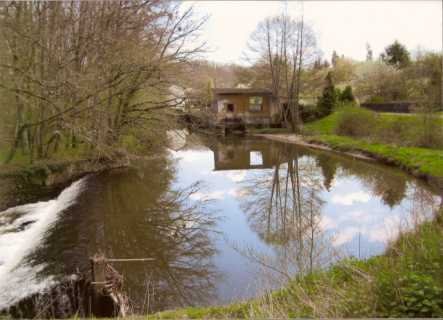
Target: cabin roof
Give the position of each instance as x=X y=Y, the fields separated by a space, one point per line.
x=229 y=91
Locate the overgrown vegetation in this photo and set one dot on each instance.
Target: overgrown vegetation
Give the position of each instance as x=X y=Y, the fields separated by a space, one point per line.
x=89 y=75
x=401 y=139
x=407 y=281
x=424 y=130
x=426 y=162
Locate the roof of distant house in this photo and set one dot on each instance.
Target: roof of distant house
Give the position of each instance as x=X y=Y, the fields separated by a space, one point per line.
x=241 y=91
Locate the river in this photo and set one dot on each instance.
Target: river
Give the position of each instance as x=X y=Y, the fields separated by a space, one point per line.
x=223 y=219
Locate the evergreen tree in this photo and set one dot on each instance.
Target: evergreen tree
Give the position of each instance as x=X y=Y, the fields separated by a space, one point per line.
x=396 y=55
x=328 y=99
x=347 y=95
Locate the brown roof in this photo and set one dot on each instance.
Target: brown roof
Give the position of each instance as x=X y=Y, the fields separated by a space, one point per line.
x=241 y=91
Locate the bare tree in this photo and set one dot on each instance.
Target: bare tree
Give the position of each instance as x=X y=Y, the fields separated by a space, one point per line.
x=286 y=46
x=91 y=72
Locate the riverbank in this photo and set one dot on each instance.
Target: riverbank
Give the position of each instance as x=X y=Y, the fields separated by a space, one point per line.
x=23 y=183
x=406 y=281
x=422 y=163
x=412 y=143
x=49 y=173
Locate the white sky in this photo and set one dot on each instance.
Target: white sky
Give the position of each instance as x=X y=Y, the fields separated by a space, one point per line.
x=345 y=26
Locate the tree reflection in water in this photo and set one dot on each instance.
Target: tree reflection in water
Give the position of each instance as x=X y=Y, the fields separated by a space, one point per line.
x=284 y=208
x=182 y=273
x=288 y=193
x=138 y=213
x=285 y=205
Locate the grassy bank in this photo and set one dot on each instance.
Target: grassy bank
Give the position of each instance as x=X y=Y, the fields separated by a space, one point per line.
x=407 y=281
x=379 y=121
x=66 y=163
x=379 y=140
x=426 y=162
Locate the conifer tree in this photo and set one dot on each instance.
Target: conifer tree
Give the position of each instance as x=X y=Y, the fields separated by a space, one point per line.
x=328 y=99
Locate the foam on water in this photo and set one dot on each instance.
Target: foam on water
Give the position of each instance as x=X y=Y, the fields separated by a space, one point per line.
x=22 y=230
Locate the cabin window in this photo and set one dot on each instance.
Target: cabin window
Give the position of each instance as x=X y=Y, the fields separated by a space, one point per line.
x=255 y=158
x=230 y=107
x=255 y=104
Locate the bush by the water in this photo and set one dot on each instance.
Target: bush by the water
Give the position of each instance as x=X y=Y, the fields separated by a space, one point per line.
x=414 y=130
x=356 y=122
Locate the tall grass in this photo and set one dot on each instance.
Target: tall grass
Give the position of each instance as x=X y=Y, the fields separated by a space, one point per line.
x=410 y=130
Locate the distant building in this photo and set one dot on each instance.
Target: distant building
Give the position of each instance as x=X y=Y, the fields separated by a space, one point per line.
x=255 y=107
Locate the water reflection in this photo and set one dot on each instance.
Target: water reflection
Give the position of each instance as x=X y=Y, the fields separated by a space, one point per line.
x=280 y=206
x=311 y=204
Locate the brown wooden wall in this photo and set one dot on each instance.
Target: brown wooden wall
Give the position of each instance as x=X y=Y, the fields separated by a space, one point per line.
x=241 y=104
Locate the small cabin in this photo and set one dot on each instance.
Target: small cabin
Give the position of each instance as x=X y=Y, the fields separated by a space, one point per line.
x=249 y=107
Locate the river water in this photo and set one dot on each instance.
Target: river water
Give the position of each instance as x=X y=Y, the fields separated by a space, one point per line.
x=223 y=219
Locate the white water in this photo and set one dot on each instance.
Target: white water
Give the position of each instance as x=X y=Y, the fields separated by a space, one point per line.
x=22 y=230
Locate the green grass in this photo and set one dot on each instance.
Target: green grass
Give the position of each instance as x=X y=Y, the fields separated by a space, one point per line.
x=328 y=125
x=425 y=161
x=62 y=154
x=237 y=310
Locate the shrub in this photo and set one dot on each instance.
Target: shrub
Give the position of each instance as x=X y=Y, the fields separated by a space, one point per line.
x=430 y=132
x=409 y=295
x=347 y=95
x=309 y=113
x=376 y=99
x=393 y=131
x=356 y=122
x=411 y=131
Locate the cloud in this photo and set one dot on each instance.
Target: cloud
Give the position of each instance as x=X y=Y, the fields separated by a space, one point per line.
x=388 y=229
x=236 y=176
x=189 y=156
x=345 y=236
x=214 y=195
x=327 y=223
x=378 y=23
x=238 y=193
x=350 y=198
